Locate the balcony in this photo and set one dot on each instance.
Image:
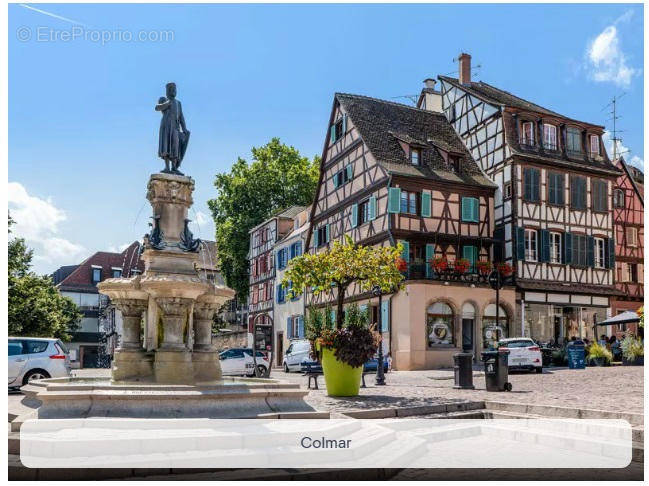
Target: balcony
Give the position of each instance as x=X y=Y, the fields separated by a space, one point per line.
x=423 y=271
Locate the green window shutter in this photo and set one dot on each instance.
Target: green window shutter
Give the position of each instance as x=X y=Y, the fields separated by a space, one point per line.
x=336 y=180
x=327 y=233
x=344 y=124
x=430 y=254
x=470 y=252
x=372 y=208
x=567 y=248
x=591 y=251
x=394 y=199
x=520 y=244
x=385 y=315
x=354 y=215
x=476 y=209
x=544 y=250
x=350 y=172
x=610 y=252
x=425 y=204
x=536 y=176
x=470 y=209
x=405 y=254
x=332 y=133
x=316 y=243
x=465 y=209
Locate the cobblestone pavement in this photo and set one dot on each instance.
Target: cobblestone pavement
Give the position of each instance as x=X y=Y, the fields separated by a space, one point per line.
x=615 y=388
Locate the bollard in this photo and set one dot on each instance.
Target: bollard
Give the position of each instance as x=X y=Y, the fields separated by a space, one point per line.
x=463 y=368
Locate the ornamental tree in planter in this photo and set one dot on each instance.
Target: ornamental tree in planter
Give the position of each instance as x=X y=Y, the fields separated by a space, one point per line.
x=335 y=270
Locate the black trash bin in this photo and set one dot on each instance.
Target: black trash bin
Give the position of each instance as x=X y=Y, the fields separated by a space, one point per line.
x=496 y=370
x=463 y=368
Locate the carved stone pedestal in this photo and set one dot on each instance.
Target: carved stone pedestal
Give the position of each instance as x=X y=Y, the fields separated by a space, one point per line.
x=174 y=367
x=132 y=365
x=207 y=366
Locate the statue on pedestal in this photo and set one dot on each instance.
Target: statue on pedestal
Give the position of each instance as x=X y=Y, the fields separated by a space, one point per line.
x=174 y=135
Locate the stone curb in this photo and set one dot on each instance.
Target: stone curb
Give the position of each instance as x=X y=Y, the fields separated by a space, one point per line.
x=380 y=413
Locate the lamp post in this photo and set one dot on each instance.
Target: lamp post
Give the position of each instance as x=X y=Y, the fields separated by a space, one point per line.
x=380 y=376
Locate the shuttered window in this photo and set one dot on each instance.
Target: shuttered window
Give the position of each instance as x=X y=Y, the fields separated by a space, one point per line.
x=394 y=200
x=573 y=140
x=470 y=209
x=470 y=253
x=531 y=180
x=425 y=204
x=556 y=188
x=600 y=195
x=578 y=192
x=579 y=250
x=338 y=129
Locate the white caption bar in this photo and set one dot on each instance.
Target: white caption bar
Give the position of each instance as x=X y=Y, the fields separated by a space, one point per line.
x=296 y=443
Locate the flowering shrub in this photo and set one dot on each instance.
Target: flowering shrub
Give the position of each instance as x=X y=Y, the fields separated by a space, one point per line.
x=505 y=269
x=484 y=267
x=461 y=265
x=354 y=343
x=439 y=264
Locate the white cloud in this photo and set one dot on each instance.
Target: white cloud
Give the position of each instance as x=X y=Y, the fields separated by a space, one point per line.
x=37 y=220
x=605 y=59
x=118 y=248
x=622 y=150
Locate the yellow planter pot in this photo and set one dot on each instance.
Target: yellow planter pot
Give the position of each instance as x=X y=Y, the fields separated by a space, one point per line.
x=341 y=379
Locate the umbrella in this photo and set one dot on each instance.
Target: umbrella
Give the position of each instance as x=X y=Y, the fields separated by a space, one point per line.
x=624 y=318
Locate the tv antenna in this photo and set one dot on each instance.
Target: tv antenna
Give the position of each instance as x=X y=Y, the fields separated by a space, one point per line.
x=412 y=98
x=615 y=117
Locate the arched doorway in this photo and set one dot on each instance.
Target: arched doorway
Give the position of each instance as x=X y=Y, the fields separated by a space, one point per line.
x=468 y=316
x=494 y=329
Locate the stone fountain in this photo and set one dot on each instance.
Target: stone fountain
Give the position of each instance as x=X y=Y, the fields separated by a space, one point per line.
x=165 y=365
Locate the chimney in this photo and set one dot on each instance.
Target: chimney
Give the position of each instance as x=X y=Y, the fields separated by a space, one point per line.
x=430 y=99
x=429 y=83
x=465 y=68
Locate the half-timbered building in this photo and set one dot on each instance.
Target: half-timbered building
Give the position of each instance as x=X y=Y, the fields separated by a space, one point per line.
x=261 y=259
x=390 y=174
x=552 y=207
x=628 y=215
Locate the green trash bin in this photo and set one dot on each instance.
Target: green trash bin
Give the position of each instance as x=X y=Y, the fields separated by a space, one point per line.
x=496 y=369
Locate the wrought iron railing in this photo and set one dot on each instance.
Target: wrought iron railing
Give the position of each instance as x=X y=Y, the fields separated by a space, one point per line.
x=422 y=271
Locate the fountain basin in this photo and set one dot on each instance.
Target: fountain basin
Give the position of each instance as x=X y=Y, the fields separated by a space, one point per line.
x=224 y=398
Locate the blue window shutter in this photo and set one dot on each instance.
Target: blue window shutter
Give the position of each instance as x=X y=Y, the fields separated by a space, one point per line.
x=405 y=254
x=344 y=124
x=298 y=248
x=300 y=326
x=430 y=254
x=316 y=243
x=590 y=251
x=520 y=243
x=372 y=208
x=279 y=259
x=327 y=233
x=544 y=249
x=350 y=172
x=425 y=204
x=394 y=200
x=354 y=215
x=385 y=315
x=278 y=292
x=567 y=248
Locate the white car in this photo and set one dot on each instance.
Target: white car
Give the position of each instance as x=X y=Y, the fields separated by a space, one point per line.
x=298 y=351
x=523 y=353
x=239 y=362
x=36 y=358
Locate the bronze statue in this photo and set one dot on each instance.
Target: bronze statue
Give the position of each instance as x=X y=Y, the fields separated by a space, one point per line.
x=173 y=132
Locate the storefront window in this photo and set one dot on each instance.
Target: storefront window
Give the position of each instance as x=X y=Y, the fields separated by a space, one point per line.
x=492 y=330
x=439 y=324
x=558 y=324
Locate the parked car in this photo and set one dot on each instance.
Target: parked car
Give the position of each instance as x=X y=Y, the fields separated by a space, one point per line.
x=368 y=367
x=35 y=359
x=239 y=362
x=298 y=351
x=523 y=354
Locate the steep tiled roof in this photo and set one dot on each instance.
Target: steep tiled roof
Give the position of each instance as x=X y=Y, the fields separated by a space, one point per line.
x=80 y=280
x=290 y=212
x=382 y=124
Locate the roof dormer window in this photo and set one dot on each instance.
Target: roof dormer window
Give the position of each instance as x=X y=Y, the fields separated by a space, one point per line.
x=415 y=156
x=593 y=145
x=550 y=137
x=454 y=162
x=527 y=134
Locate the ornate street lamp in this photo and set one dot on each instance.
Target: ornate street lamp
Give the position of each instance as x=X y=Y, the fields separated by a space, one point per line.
x=380 y=376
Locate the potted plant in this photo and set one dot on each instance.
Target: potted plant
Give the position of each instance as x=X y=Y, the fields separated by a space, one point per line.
x=505 y=269
x=401 y=264
x=484 y=267
x=599 y=355
x=461 y=265
x=632 y=351
x=343 y=348
x=439 y=264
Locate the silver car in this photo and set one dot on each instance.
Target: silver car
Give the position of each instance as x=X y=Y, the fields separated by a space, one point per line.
x=36 y=358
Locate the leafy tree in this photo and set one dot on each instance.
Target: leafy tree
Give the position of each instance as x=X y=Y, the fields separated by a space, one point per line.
x=35 y=307
x=250 y=193
x=342 y=265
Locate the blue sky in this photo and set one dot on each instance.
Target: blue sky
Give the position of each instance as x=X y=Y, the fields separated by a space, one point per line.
x=83 y=132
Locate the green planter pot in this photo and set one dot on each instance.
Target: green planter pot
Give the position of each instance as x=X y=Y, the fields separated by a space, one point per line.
x=341 y=379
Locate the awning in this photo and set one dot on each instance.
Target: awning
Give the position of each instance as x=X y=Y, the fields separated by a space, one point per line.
x=624 y=318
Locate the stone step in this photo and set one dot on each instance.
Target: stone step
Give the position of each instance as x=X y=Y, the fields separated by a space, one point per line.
x=564 y=412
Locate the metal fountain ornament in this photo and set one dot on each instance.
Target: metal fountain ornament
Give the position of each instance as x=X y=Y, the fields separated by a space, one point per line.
x=166 y=364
